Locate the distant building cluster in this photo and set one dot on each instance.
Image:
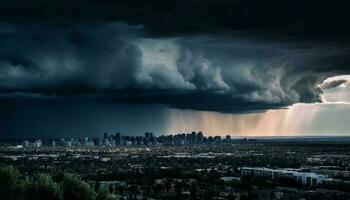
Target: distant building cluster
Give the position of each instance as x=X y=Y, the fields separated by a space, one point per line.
x=191 y=138
x=306 y=178
x=117 y=139
x=36 y=143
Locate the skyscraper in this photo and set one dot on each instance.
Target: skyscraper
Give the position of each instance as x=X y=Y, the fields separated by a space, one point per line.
x=117 y=139
x=148 y=134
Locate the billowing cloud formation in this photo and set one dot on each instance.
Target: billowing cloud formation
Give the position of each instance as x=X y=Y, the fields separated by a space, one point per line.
x=117 y=62
x=223 y=56
x=332 y=84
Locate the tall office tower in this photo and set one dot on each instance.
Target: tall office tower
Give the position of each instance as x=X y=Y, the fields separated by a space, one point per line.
x=228 y=138
x=147 y=138
x=106 y=142
x=117 y=139
x=105 y=136
x=122 y=140
x=200 y=137
x=193 y=137
x=26 y=143
x=37 y=143
x=139 y=140
x=217 y=139
x=133 y=140
x=148 y=134
x=86 y=141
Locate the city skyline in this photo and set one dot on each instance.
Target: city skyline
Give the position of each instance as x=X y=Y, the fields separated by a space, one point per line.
x=174 y=99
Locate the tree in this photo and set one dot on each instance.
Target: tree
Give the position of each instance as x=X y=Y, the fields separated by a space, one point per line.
x=193 y=191
x=97 y=186
x=178 y=189
x=43 y=188
x=103 y=194
x=11 y=187
x=213 y=175
x=209 y=193
x=75 y=189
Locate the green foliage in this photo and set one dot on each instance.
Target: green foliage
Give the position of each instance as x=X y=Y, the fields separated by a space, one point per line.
x=209 y=193
x=213 y=175
x=43 y=188
x=11 y=187
x=103 y=194
x=97 y=186
x=194 y=192
x=342 y=186
x=75 y=189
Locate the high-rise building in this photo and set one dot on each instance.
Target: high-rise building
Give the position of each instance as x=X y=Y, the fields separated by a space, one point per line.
x=86 y=141
x=148 y=138
x=217 y=139
x=139 y=140
x=148 y=134
x=200 y=137
x=106 y=142
x=69 y=144
x=37 y=143
x=228 y=138
x=26 y=143
x=122 y=140
x=117 y=139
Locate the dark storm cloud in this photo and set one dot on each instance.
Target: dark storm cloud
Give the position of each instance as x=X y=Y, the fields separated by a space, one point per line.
x=279 y=19
x=229 y=56
x=79 y=60
x=64 y=60
x=332 y=84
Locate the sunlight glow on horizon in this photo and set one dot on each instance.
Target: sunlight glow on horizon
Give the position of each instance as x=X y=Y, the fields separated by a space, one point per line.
x=298 y=120
x=329 y=117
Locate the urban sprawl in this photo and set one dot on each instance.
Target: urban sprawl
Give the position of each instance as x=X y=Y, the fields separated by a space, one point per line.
x=181 y=166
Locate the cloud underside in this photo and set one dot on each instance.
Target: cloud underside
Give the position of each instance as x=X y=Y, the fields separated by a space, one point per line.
x=147 y=55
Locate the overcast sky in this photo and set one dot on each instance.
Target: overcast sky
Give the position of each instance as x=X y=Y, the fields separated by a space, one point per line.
x=86 y=67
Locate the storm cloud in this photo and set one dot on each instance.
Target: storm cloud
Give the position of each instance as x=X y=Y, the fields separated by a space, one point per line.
x=278 y=19
x=228 y=56
x=332 y=84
